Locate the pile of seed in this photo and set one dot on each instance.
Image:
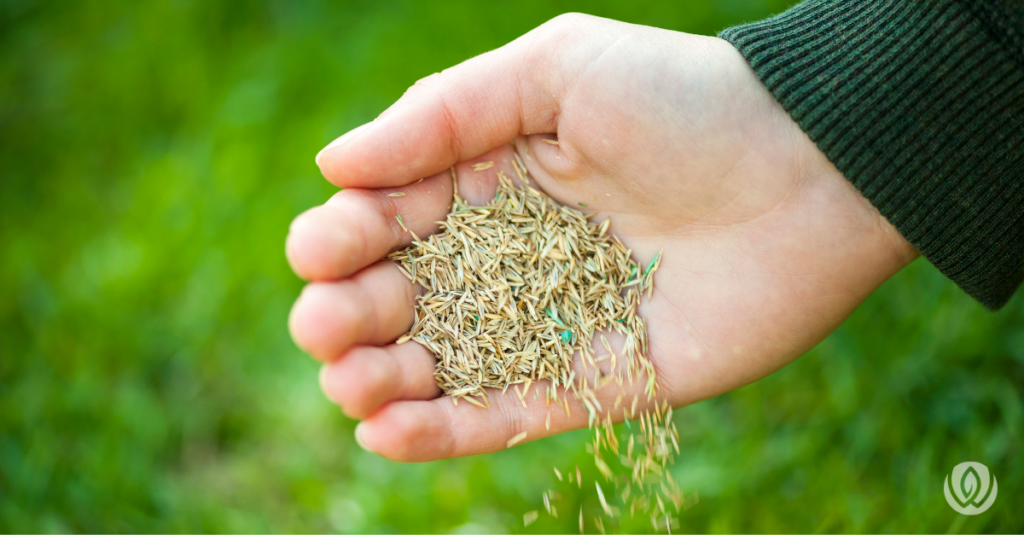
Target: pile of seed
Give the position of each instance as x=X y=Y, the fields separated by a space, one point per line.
x=513 y=290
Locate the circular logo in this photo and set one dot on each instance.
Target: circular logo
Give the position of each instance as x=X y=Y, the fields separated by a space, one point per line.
x=970 y=489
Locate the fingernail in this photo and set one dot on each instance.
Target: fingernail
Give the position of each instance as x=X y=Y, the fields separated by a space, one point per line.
x=360 y=440
x=341 y=140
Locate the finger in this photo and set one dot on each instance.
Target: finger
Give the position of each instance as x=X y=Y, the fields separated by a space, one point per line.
x=357 y=227
x=360 y=226
x=366 y=377
x=464 y=111
x=373 y=307
x=416 y=431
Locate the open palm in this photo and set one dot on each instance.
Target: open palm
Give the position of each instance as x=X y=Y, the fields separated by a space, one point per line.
x=767 y=248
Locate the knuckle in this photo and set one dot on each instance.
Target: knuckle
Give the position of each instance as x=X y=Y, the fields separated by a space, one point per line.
x=450 y=125
x=409 y=436
x=356 y=383
x=433 y=89
x=367 y=210
x=382 y=212
x=353 y=401
x=420 y=86
x=512 y=419
x=568 y=22
x=427 y=81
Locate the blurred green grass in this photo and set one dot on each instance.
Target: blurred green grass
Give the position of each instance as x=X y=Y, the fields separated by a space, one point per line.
x=152 y=155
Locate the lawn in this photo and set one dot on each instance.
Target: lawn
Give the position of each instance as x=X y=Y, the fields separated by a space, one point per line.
x=152 y=155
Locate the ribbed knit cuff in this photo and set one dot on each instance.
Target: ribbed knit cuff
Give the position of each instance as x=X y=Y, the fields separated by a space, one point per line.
x=921 y=107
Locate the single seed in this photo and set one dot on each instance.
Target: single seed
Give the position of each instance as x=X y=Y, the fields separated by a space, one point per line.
x=516 y=439
x=482 y=165
x=396 y=194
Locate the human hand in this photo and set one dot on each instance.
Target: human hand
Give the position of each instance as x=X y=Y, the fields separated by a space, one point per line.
x=767 y=248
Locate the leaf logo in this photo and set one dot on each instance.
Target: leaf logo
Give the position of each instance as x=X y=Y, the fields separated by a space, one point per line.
x=971 y=489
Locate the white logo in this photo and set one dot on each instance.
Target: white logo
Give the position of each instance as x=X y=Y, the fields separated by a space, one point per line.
x=970 y=489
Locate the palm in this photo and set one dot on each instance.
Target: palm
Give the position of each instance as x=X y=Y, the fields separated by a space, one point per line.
x=766 y=247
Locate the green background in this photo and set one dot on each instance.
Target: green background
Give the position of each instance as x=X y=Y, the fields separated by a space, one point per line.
x=152 y=155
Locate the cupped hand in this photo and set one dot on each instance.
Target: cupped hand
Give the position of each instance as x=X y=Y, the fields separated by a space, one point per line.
x=767 y=248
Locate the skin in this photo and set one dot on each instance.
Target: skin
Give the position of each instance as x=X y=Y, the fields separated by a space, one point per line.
x=767 y=248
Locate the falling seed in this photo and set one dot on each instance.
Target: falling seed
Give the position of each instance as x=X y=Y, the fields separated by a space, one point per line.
x=604 y=503
x=516 y=439
x=396 y=194
x=530 y=517
x=557 y=473
x=581 y=204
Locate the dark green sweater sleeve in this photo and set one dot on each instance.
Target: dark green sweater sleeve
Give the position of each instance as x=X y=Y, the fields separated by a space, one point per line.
x=920 y=104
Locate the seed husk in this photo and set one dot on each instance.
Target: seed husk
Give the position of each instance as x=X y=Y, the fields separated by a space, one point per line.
x=482 y=165
x=516 y=439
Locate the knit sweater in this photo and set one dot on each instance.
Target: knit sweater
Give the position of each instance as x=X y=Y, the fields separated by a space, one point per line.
x=920 y=104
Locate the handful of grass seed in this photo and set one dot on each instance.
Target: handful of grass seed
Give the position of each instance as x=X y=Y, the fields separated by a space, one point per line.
x=515 y=287
x=513 y=290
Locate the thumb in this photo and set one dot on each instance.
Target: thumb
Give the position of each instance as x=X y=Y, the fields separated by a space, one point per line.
x=459 y=113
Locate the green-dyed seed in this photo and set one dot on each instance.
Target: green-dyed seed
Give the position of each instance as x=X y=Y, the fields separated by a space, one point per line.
x=552 y=315
x=651 y=265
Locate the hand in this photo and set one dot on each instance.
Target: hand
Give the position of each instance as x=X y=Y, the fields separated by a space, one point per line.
x=767 y=248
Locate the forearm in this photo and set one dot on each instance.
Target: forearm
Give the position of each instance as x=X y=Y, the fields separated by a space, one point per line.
x=921 y=106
